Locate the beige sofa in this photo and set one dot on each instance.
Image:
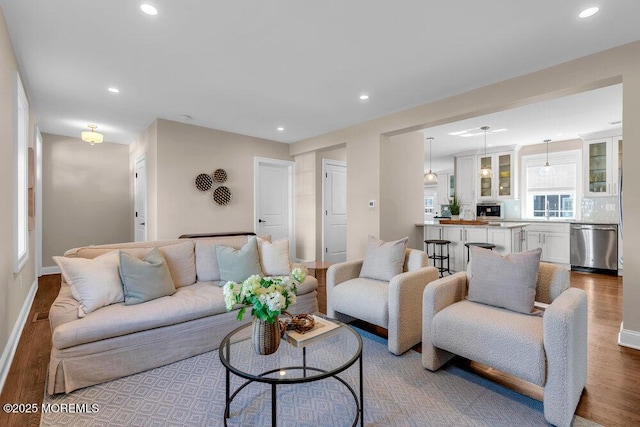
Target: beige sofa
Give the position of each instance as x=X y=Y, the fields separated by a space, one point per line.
x=118 y=340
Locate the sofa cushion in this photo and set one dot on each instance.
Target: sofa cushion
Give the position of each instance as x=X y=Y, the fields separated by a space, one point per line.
x=503 y=339
x=504 y=281
x=145 y=280
x=94 y=283
x=207 y=268
x=181 y=261
x=383 y=260
x=237 y=265
x=362 y=298
x=199 y=300
x=274 y=257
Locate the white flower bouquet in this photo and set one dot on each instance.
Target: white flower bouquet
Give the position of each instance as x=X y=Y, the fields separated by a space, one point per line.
x=267 y=296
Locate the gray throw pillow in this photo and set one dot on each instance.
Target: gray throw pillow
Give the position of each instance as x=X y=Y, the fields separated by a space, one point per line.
x=237 y=265
x=504 y=281
x=383 y=260
x=145 y=280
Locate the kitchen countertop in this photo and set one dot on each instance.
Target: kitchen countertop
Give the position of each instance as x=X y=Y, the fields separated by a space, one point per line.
x=491 y=224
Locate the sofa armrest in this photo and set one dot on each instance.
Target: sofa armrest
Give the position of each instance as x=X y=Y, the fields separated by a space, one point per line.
x=437 y=296
x=405 y=307
x=64 y=308
x=565 y=344
x=553 y=280
x=343 y=271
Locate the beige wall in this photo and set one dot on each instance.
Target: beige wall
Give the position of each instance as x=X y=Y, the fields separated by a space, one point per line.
x=85 y=195
x=184 y=151
x=621 y=64
x=401 y=187
x=305 y=206
x=14 y=288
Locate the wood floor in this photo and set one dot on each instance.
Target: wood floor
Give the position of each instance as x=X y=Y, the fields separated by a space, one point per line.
x=611 y=397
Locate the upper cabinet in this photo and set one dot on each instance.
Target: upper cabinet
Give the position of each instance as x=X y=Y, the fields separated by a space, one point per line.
x=446 y=187
x=602 y=166
x=502 y=184
x=466 y=178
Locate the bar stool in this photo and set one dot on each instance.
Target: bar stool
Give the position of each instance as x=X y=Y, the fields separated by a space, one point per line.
x=441 y=257
x=489 y=246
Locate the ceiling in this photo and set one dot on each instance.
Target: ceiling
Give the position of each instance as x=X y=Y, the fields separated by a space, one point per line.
x=251 y=66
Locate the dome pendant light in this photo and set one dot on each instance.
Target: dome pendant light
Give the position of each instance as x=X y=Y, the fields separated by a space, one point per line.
x=430 y=177
x=547 y=169
x=91 y=136
x=486 y=171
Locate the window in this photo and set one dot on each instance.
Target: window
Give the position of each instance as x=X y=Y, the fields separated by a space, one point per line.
x=20 y=221
x=552 y=194
x=430 y=200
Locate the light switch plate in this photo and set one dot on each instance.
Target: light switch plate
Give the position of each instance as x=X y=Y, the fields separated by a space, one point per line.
x=372 y=203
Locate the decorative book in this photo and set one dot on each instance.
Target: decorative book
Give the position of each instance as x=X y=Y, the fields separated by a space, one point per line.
x=322 y=329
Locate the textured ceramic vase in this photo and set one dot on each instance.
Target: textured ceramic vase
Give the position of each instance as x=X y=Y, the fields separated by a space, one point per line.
x=266 y=336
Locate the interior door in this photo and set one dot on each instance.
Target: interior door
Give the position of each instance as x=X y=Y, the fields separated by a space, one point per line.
x=335 y=211
x=274 y=199
x=140 y=190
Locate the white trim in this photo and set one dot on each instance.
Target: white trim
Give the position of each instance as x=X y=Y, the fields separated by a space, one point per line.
x=50 y=270
x=38 y=190
x=12 y=343
x=629 y=338
x=325 y=163
x=21 y=147
x=291 y=170
x=142 y=158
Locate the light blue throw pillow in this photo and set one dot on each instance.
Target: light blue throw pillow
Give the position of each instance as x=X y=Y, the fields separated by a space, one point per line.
x=237 y=265
x=145 y=280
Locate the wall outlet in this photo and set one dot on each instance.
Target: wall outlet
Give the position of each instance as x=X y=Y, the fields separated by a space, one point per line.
x=372 y=203
x=610 y=207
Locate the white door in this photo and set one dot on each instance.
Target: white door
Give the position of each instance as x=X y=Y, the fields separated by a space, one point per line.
x=273 y=199
x=140 y=189
x=335 y=211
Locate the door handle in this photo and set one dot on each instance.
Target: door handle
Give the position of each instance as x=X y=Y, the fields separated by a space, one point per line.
x=143 y=223
x=261 y=221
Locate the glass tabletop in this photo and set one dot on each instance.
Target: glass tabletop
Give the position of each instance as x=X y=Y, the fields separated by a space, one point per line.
x=322 y=358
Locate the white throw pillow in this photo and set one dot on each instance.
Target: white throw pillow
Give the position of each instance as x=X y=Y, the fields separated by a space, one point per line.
x=274 y=257
x=383 y=260
x=94 y=282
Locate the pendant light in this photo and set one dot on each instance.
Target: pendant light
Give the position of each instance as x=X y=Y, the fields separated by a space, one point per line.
x=430 y=177
x=547 y=169
x=91 y=136
x=485 y=172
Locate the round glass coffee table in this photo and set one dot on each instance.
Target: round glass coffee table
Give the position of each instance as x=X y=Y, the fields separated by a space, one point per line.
x=320 y=358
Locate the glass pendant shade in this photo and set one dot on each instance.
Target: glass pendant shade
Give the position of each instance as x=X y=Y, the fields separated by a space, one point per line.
x=547 y=169
x=91 y=136
x=430 y=177
x=485 y=171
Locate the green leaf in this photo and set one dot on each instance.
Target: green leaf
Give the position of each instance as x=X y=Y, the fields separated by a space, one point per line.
x=241 y=313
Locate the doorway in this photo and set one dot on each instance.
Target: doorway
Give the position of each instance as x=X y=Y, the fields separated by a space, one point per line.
x=140 y=200
x=334 y=209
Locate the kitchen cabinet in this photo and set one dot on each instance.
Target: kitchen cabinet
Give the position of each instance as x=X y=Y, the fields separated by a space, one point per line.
x=458 y=237
x=507 y=240
x=432 y=232
x=603 y=162
x=553 y=239
x=502 y=184
x=465 y=177
x=446 y=188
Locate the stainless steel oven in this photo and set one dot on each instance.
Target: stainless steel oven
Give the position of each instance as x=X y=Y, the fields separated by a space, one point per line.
x=594 y=247
x=490 y=210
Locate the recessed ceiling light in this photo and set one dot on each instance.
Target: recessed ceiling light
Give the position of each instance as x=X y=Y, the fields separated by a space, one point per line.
x=280 y=128
x=588 y=12
x=364 y=97
x=113 y=90
x=148 y=9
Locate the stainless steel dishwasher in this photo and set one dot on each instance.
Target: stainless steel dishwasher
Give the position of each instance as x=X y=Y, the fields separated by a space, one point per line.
x=594 y=248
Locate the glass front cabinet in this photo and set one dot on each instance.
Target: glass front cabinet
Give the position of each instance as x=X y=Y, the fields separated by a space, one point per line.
x=501 y=185
x=602 y=166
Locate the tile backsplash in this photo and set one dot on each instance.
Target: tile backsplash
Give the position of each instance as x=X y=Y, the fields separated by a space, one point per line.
x=593 y=209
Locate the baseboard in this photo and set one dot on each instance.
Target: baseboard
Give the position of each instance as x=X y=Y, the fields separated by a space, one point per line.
x=629 y=338
x=16 y=333
x=50 y=270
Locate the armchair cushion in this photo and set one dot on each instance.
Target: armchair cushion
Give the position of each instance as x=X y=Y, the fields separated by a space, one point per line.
x=383 y=260
x=504 y=281
x=505 y=340
x=363 y=298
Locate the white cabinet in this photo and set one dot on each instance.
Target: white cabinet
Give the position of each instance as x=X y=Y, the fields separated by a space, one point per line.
x=602 y=164
x=502 y=184
x=552 y=238
x=446 y=188
x=458 y=237
x=507 y=240
x=465 y=177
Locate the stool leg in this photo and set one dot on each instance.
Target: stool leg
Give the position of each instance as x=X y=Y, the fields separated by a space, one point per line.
x=448 y=266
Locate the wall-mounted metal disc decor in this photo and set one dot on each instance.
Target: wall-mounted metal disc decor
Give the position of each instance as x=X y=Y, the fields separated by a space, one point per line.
x=220 y=175
x=222 y=195
x=203 y=182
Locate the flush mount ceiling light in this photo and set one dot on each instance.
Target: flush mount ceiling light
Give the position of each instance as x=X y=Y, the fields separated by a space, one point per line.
x=148 y=9
x=588 y=12
x=113 y=90
x=485 y=172
x=364 y=97
x=430 y=177
x=91 y=136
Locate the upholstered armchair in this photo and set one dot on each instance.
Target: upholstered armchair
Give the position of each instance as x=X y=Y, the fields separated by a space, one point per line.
x=394 y=304
x=548 y=349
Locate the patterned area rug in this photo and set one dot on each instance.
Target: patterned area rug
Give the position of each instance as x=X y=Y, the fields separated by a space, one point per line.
x=398 y=392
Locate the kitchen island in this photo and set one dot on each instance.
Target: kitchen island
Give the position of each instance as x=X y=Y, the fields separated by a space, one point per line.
x=507 y=236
